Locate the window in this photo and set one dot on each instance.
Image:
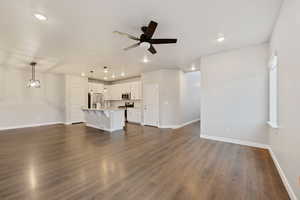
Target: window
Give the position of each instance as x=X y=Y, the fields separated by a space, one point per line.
x=273 y=89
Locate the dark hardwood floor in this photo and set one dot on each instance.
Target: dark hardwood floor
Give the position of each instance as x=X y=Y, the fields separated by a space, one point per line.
x=143 y=163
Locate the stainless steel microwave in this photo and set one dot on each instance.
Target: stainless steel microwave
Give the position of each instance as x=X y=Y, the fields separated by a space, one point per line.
x=126 y=96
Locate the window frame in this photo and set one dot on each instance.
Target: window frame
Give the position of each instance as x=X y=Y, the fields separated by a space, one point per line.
x=273 y=91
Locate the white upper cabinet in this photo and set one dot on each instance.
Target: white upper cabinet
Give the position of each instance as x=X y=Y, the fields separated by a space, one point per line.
x=96 y=87
x=114 y=92
x=91 y=87
x=135 y=90
x=107 y=92
x=126 y=88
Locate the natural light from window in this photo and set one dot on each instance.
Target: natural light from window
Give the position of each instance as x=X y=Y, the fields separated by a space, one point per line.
x=273 y=91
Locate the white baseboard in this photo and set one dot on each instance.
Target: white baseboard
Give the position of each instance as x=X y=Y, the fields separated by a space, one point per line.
x=168 y=126
x=30 y=125
x=235 y=141
x=283 y=177
x=179 y=126
x=258 y=145
x=71 y=122
x=187 y=123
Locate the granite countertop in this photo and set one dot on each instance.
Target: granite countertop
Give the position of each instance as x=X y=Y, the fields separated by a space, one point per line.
x=103 y=109
x=135 y=108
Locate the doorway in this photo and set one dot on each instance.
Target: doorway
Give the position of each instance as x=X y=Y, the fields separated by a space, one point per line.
x=151 y=104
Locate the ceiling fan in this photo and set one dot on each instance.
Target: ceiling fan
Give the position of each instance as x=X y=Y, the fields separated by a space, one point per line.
x=146 y=38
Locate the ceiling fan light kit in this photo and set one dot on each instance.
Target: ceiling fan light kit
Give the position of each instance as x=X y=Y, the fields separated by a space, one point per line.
x=145 y=39
x=145 y=45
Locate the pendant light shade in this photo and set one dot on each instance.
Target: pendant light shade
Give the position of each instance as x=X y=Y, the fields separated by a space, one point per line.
x=33 y=83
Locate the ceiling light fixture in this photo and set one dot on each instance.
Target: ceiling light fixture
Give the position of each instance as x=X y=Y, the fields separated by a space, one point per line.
x=193 y=68
x=33 y=83
x=113 y=76
x=92 y=73
x=123 y=74
x=145 y=60
x=105 y=69
x=145 y=45
x=221 y=38
x=82 y=74
x=40 y=17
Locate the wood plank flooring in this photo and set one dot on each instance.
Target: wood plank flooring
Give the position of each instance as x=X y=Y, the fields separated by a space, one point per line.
x=141 y=163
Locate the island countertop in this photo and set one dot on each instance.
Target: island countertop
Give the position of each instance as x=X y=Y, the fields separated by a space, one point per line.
x=106 y=118
x=103 y=109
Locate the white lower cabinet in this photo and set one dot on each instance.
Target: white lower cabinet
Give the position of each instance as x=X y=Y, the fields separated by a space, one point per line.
x=134 y=115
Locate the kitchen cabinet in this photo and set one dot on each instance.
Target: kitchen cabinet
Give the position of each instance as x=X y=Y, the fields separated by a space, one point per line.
x=107 y=92
x=114 y=92
x=125 y=88
x=95 y=87
x=135 y=90
x=134 y=115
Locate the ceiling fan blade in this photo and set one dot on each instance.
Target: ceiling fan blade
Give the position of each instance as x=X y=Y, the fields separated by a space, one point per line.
x=163 y=41
x=127 y=35
x=132 y=46
x=152 y=49
x=151 y=29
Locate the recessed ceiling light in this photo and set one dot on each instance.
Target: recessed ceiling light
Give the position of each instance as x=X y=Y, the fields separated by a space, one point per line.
x=82 y=74
x=105 y=69
x=145 y=60
x=193 y=68
x=221 y=38
x=40 y=17
x=122 y=74
x=105 y=78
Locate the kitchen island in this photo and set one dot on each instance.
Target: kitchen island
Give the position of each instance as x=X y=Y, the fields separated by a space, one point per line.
x=107 y=119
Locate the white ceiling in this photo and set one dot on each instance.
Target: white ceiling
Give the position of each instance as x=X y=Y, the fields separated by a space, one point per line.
x=77 y=36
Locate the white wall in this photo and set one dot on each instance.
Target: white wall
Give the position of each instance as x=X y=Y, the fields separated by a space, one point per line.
x=285 y=140
x=21 y=106
x=190 y=96
x=234 y=101
x=176 y=106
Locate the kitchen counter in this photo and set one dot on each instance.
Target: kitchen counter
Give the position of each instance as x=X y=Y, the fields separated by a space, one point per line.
x=134 y=108
x=107 y=119
x=103 y=109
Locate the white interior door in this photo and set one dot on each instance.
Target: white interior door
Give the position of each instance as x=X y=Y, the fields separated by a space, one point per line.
x=151 y=105
x=77 y=99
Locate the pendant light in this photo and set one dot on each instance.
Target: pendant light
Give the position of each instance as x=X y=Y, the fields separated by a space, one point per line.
x=33 y=83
